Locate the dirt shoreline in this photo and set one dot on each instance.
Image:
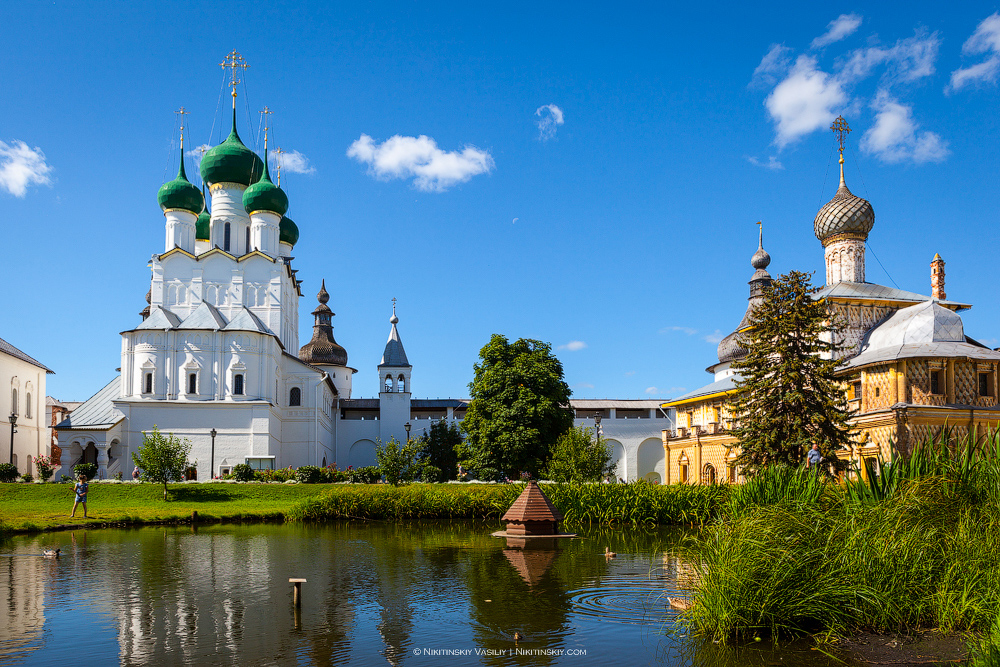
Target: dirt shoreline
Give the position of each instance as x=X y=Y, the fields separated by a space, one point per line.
x=916 y=649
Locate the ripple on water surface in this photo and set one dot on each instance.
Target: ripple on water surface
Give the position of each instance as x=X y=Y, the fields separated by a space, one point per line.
x=636 y=598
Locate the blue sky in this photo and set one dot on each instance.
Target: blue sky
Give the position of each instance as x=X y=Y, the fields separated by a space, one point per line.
x=433 y=167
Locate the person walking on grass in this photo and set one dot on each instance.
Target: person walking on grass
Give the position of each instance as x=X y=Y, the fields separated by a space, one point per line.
x=814 y=458
x=80 y=489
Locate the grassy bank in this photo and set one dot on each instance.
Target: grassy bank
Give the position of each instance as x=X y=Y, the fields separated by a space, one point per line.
x=915 y=549
x=29 y=507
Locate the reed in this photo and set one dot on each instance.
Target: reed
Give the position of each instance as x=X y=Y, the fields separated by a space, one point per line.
x=915 y=548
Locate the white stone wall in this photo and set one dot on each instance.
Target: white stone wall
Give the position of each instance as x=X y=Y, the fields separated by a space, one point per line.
x=33 y=433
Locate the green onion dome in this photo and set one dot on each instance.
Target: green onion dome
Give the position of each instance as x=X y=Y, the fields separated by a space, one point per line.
x=231 y=161
x=180 y=193
x=265 y=195
x=288 y=232
x=203 y=226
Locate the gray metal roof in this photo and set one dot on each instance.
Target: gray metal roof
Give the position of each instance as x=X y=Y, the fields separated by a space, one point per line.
x=204 y=316
x=625 y=404
x=97 y=412
x=394 y=354
x=159 y=318
x=924 y=330
x=9 y=349
x=873 y=292
x=725 y=384
x=245 y=320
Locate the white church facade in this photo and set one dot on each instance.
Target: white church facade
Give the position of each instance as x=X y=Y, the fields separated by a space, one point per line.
x=216 y=358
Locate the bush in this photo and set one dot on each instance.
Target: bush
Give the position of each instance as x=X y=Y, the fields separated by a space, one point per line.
x=330 y=475
x=242 y=472
x=309 y=475
x=397 y=461
x=489 y=475
x=365 y=475
x=26 y=477
x=89 y=470
x=431 y=474
x=8 y=472
x=278 y=475
x=46 y=467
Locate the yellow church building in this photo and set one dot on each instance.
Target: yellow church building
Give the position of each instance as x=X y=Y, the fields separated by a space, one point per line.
x=908 y=367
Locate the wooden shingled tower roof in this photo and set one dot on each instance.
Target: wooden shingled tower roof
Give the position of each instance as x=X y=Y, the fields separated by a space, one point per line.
x=532 y=505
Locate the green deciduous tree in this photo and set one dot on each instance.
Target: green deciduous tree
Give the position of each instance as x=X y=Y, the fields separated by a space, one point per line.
x=579 y=457
x=440 y=448
x=519 y=407
x=789 y=397
x=398 y=462
x=162 y=458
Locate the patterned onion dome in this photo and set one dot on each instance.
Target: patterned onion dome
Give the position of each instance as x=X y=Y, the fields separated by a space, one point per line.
x=265 y=195
x=231 y=161
x=288 y=232
x=730 y=349
x=203 y=226
x=843 y=214
x=180 y=193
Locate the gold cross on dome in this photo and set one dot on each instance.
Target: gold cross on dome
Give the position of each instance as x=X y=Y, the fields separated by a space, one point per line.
x=265 y=113
x=841 y=129
x=181 y=112
x=277 y=161
x=234 y=61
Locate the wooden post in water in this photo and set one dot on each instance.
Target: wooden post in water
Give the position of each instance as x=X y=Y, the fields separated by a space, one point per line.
x=297 y=591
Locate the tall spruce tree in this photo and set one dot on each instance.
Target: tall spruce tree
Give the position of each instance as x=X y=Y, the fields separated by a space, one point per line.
x=789 y=397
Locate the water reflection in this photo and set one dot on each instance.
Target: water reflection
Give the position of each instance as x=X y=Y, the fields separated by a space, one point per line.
x=398 y=593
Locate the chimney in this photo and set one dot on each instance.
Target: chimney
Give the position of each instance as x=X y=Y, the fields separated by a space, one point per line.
x=937 y=278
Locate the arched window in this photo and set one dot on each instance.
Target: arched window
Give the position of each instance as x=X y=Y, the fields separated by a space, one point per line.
x=388 y=384
x=708 y=474
x=225 y=237
x=27 y=406
x=192 y=383
x=295 y=396
x=247 y=249
x=238 y=384
x=13 y=402
x=324 y=461
x=149 y=384
x=401 y=385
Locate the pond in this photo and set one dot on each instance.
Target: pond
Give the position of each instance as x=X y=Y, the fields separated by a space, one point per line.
x=402 y=594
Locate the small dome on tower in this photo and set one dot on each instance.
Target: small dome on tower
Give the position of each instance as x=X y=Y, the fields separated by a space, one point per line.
x=265 y=195
x=180 y=193
x=231 y=161
x=323 y=349
x=845 y=213
x=203 y=226
x=288 y=231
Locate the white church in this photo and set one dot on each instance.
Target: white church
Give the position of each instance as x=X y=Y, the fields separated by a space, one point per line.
x=216 y=358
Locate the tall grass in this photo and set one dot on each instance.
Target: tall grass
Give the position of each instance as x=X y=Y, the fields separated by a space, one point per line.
x=917 y=547
x=637 y=503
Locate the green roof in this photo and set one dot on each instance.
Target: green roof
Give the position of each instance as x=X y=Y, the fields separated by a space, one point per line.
x=203 y=226
x=180 y=193
x=265 y=195
x=231 y=161
x=288 y=232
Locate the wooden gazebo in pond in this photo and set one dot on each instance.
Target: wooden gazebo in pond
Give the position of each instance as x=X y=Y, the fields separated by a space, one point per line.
x=531 y=515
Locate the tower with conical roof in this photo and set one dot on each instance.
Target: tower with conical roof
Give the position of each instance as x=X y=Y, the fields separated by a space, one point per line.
x=394 y=384
x=181 y=202
x=842 y=225
x=324 y=351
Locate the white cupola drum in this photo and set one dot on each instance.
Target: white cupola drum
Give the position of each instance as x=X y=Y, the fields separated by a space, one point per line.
x=843 y=224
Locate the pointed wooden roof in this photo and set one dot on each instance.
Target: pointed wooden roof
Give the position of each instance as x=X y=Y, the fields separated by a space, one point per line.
x=532 y=505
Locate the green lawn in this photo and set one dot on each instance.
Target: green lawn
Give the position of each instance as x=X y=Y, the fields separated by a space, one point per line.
x=30 y=507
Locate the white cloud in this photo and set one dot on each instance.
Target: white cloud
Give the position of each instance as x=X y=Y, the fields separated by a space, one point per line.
x=432 y=169
x=629 y=373
x=839 y=28
x=292 y=162
x=573 y=346
x=714 y=338
x=907 y=60
x=197 y=153
x=688 y=330
x=652 y=390
x=773 y=65
x=986 y=39
x=550 y=117
x=894 y=136
x=583 y=385
x=21 y=166
x=804 y=101
x=772 y=162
